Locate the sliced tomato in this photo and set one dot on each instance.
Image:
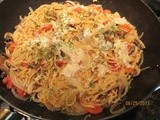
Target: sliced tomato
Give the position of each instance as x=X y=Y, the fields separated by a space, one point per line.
x=12 y=46
x=106 y=11
x=105 y=22
x=94 y=110
x=78 y=9
x=113 y=65
x=9 y=85
x=92 y=5
x=125 y=27
x=99 y=9
x=45 y=29
x=114 y=68
x=60 y=63
x=128 y=70
x=7 y=81
x=21 y=92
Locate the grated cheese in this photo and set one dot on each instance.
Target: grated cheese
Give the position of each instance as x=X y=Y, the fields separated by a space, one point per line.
x=70 y=69
x=122 y=50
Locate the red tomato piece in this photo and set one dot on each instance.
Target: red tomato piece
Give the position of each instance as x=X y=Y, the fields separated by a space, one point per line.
x=99 y=9
x=129 y=70
x=113 y=66
x=5 y=80
x=21 y=92
x=47 y=27
x=60 y=63
x=105 y=22
x=107 y=11
x=9 y=85
x=92 y=5
x=94 y=110
x=125 y=27
x=12 y=46
x=78 y=9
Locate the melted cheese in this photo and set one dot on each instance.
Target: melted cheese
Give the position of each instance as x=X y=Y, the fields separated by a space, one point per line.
x=70 y=69
x=102 y=69
x=39 y=41
x=120 y=20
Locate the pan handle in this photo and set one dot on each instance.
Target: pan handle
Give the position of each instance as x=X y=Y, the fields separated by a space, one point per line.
x=7 y=114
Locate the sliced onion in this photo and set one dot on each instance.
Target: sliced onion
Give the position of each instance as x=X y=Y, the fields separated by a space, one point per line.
x=17 y=96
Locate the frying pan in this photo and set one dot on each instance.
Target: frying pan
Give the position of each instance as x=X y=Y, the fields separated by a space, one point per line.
x=134 y=10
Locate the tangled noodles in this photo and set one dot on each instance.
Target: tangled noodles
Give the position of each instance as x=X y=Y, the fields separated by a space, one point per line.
x=73 y=58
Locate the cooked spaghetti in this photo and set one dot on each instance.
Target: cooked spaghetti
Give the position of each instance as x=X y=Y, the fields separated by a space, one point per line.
x=73 y=58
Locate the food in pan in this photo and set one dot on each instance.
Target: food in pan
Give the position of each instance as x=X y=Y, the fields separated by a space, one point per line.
x=72 y=58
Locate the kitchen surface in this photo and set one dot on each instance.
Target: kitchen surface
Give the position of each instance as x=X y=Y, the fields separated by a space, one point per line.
x=147 y=111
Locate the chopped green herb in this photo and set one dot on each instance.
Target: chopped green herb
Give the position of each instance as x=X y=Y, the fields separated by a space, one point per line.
x=113 y=28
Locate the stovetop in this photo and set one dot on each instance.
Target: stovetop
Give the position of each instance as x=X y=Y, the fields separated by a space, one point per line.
x=149 y=111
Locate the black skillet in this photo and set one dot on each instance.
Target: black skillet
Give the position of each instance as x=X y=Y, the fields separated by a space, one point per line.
x=134 y=10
